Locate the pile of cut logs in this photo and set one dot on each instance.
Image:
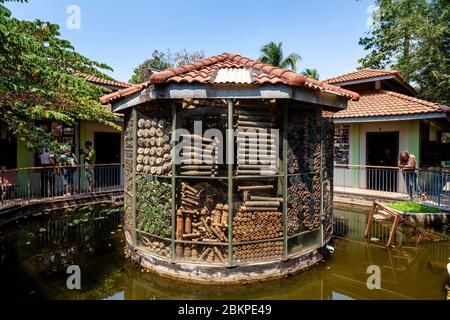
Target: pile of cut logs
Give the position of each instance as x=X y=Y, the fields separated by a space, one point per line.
x=257 y=141
x=158 y=247
x=258 y=252
x=199 y=158
x=154 y=149
x=304 y=205
x=295 y=137
x=198 y=224
x=258 y=217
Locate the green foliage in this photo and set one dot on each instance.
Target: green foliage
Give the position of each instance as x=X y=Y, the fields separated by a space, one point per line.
x=5 y=10
x=311 y=73
x=413 y=37
x=412 y=207
x=162 y=60
x=37 y=81
x=272 y=53
x=153 y=205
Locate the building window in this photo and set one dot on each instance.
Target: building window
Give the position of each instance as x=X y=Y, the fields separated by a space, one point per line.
x=341 y=144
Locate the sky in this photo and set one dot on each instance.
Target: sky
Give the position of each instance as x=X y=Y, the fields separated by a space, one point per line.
x=123 y=34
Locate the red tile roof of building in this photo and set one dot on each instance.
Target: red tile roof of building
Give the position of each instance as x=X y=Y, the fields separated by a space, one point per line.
x=382 y=103
x=205 y=72
x=102 y=81
x=362 y=74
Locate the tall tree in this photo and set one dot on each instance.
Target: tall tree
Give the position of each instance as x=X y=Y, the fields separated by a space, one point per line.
x=413 y=37
x=311 y=73
x=161 y=60
x=37 y=80
x=272 y=53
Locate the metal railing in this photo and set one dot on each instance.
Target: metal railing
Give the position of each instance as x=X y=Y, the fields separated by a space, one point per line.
x=19 y=186
x=429 y=186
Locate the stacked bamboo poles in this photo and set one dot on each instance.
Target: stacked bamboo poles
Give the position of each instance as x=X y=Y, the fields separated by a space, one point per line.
x=259 y=218
x=295 y=136
x=255 y=252
x=197 y=224
x=257 y=141
x=154 y=149
x=200 y=158
x=305 y=153
x=257 y=226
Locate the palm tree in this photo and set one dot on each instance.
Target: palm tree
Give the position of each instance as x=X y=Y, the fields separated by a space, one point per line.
x=311 y=73
x=272 y=53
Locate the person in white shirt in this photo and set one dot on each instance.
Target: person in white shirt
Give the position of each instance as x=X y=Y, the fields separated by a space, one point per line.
x=47 y=161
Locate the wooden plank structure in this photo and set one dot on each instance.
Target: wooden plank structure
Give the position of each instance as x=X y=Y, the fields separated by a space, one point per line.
x=380 y=208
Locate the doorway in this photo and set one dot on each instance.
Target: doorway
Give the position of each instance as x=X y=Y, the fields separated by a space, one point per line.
x=107 y=147
x=382 y=151
x=108 y=151
x=8 y=145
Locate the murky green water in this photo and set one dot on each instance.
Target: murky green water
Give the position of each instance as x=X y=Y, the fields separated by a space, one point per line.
x=35 y=255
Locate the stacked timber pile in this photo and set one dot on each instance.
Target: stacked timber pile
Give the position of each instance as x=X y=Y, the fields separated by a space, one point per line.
x=305 y=156
x=259 y=218
x=257 y=141
x=200 y=157
x=158 y=247
x=200 y=225
x=266 y=251
x=154 y=149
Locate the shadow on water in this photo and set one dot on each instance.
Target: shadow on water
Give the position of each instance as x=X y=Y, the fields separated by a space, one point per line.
x=35 y=255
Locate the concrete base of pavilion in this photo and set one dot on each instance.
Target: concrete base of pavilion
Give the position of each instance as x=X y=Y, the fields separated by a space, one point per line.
x=214 y=274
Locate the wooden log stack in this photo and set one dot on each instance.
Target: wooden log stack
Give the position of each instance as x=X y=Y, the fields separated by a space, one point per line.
x=257 y=142
x=257 y=226
x=156 y=246
x=154 y=149
x=255 y=252
x=259 y=218
x=200 y=157
x=202 y=227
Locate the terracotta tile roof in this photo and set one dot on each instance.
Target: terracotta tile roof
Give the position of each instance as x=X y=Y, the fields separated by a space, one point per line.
x=362 y=74
x=218 y=69
x=102 y=81
x=381 y=103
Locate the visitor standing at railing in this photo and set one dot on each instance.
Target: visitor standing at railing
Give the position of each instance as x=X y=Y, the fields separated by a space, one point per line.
x=89 y=161
x=407 y=163
x=47 y=162
x=68 y=160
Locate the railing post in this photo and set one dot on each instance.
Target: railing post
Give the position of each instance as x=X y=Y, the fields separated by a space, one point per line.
x=439 y=189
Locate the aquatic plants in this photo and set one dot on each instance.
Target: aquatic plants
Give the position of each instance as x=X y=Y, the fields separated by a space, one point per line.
x=412 y=207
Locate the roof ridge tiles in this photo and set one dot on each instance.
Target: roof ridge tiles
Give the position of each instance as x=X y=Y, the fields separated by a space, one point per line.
x=186 y=73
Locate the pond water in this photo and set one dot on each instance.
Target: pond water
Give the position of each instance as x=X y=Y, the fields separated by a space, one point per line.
x=34 y=256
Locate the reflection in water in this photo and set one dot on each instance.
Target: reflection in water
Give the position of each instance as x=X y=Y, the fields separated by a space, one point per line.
x=34 y=258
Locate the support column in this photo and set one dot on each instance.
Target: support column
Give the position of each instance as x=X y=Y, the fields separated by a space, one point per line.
x=133 y=190
x=230 y=161
x=285 y=179
x=174 y=208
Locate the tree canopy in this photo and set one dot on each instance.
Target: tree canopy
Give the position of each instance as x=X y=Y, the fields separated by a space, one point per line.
x=38 y=81
x=413 y=37
x=272 y=53
x=161 y=60
x=311 y=73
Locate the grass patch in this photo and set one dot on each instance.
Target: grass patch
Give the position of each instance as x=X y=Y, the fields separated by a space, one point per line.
x=412 y=207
